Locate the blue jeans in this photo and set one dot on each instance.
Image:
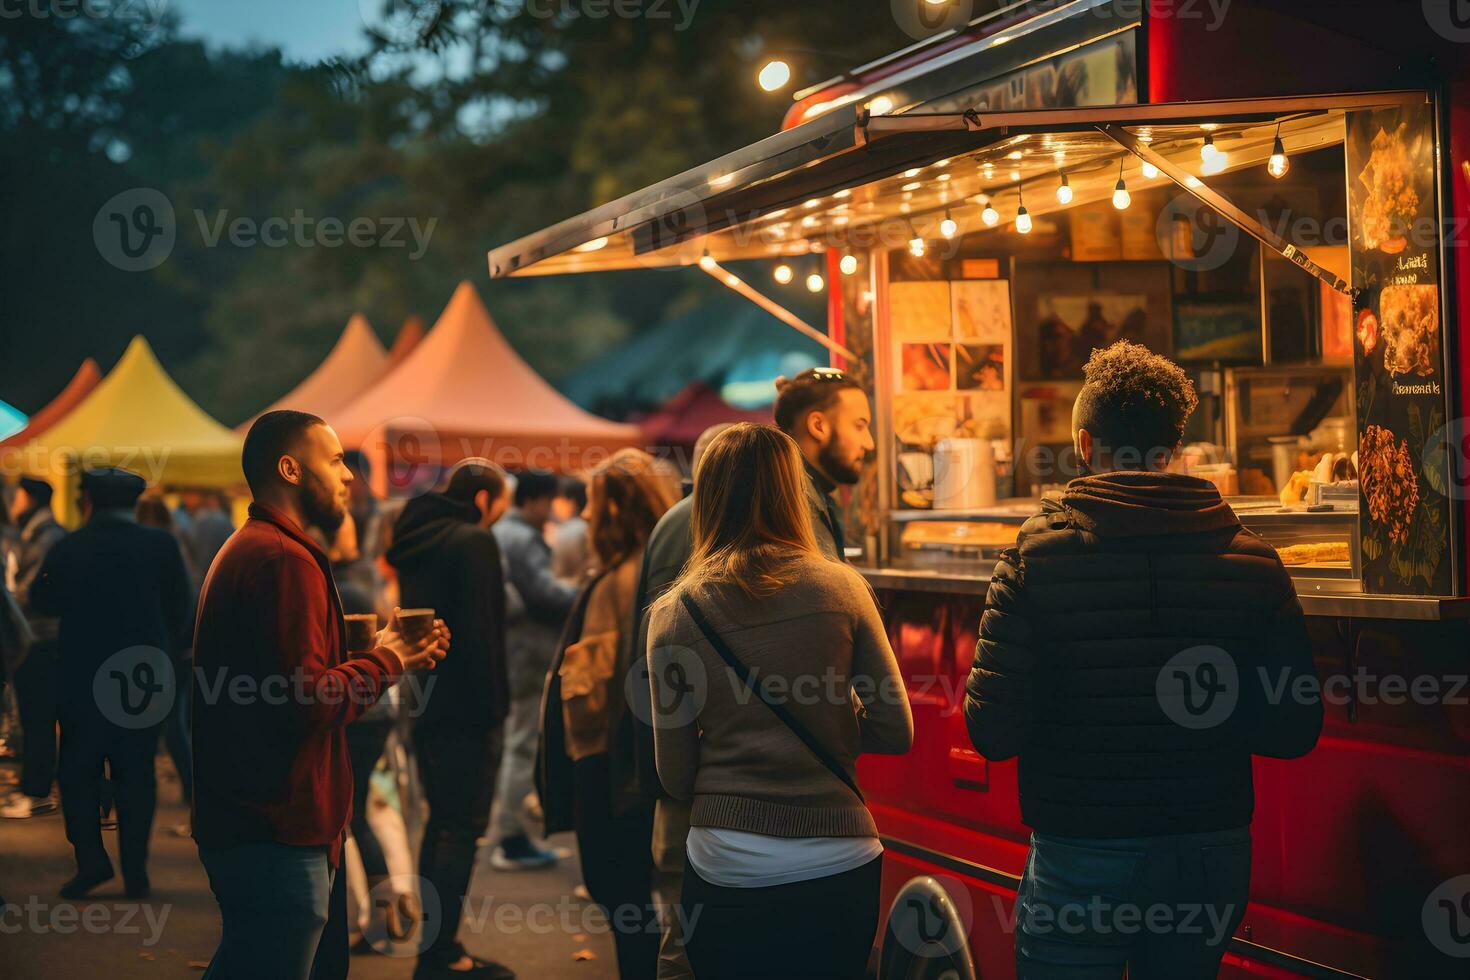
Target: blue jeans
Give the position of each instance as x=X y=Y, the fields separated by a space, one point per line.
x=1165 y=907
x=274 y=901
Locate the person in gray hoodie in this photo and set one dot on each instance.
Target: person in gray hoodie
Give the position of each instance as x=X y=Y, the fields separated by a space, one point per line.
x=531 y=639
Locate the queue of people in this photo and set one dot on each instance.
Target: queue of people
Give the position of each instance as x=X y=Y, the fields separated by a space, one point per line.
x=633 y=679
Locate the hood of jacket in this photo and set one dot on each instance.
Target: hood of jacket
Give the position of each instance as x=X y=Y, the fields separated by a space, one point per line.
x=425 y=525
x=1136 y=503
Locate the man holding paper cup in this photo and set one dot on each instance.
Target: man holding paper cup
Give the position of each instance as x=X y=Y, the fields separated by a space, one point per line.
x=274 y=688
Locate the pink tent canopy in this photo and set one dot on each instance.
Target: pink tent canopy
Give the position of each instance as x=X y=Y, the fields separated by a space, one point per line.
x=354 y=363
x=681 y=420
x=464 y=391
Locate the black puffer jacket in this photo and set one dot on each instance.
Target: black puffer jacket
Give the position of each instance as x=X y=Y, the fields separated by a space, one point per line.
x=1126 y=653
x=447 y=561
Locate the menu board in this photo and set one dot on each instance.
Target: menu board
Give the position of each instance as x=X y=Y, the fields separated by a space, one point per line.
x=1399 y=359
x=952 y=371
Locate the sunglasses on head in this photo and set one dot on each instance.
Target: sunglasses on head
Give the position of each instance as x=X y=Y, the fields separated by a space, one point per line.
x=823 y=374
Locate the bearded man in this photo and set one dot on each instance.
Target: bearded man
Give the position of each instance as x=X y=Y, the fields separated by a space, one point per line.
x=274 y=689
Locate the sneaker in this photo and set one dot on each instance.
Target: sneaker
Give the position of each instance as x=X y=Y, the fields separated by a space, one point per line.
x=20 y=806
x=519 y=854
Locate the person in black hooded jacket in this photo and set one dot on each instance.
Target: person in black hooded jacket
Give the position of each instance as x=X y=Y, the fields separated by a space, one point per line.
x=447 y=559
x=1128 y=652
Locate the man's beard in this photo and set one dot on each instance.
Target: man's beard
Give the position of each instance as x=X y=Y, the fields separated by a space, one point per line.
x=838 y=469
x=319 y=505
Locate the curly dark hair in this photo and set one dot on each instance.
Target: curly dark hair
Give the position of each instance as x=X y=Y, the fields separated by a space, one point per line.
x=1134 y=401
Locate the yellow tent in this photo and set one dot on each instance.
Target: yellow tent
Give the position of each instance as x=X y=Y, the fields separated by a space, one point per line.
x=137 y=418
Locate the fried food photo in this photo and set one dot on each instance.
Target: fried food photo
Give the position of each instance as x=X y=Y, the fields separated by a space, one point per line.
x=1409 y=320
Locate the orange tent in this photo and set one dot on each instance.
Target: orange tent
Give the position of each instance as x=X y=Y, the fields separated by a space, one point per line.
x=77 y=389
x=464 y=391
x=408 y=338
x=354 y=363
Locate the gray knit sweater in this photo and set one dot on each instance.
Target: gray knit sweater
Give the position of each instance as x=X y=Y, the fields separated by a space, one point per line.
x=815 y=644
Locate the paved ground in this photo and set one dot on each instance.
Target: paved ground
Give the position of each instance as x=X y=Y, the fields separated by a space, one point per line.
x=530 y=921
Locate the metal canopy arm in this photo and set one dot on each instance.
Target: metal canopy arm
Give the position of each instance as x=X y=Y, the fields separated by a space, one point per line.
x=1224 y=207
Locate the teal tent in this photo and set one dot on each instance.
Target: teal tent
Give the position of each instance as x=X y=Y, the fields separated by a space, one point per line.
x=729 y=343
x=12 y=420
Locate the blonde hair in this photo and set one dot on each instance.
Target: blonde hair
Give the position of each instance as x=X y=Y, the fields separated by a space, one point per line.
x=626 y=496
x=750 y=519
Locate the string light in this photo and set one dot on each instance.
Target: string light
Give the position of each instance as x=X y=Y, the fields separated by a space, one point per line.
x=1121 y=198
x=1064 y=191
x=1149 y=171
x=948 y=227
x=1214 y=158
x=784 y=274
x=1279 y=164
x=815 y=283
x=1023 y=218
x=916 y=244
x=775 y=75
x=990 y=216
x=706 y=261
x=849 y=264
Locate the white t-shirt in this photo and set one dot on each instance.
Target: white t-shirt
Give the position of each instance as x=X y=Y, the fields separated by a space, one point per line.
x=739 y=859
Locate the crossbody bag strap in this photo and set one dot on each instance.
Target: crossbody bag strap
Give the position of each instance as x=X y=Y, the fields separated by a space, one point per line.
x=749 y=680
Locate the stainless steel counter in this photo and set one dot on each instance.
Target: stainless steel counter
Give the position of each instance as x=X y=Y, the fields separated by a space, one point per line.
x=973 y=583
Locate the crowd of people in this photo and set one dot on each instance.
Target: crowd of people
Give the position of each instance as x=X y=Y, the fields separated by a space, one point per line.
x=554 y=656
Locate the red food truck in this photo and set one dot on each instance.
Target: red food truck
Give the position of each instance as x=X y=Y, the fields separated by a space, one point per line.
x=1276 y=195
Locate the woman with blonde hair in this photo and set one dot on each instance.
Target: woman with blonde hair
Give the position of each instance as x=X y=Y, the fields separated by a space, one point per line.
x=770 y=671
x=580 y=780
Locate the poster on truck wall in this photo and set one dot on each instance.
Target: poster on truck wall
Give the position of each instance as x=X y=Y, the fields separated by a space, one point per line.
x=1399 y=353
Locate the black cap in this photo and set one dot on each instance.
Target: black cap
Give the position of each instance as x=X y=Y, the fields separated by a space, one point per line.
x=38 y=490
x=112 y=488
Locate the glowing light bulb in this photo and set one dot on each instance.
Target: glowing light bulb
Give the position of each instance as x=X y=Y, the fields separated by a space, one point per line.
x=1064 y=191
x=1193 y=181
x=783 y=273
x=948 y=227
x=1214 y=158
x=1023 y=221
x=1149 y=171
x=916 y=248
x=1121 y=199
x=706 y=261
x=1279 y=164
x=775 y=75
x=990 y=216
x=849 y=264
x=815 y=283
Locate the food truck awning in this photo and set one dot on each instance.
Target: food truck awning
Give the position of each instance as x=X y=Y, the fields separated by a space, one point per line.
x=849 y=179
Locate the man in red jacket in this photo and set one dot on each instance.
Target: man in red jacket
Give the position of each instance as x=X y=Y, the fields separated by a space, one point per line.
x=273 y=690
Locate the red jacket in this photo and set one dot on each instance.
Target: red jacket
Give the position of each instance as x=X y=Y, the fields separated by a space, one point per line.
x=273 y=691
